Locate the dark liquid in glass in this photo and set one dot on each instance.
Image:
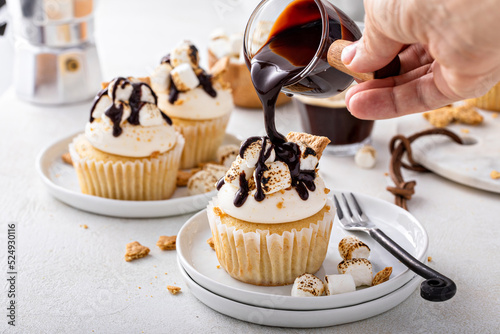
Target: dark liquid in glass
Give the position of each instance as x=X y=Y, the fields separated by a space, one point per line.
x=293 y=42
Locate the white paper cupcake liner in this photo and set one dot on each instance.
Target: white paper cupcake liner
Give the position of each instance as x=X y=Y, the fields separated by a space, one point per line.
x=141 y=180
x=261 y=258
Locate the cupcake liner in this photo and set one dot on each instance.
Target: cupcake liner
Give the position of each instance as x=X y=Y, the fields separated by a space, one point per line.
x=202 y=140
x=261 y=258
x=490 y=101
x=144 y=179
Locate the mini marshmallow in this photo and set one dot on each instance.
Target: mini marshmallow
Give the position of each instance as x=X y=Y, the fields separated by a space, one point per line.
x=160 y=79
x=218 y=33
x=277 y=177
x=337 y=284
x=201 y=182
x=308 y=157
x=366 y=157
x=216 y=170
x=238 y=167
x=150 y=115
x=236 y=44
x=184 y=77
x=226 y=154
x=101 y=106
x=184 y=53
x=251 y=154
x=121 y=92
x=307 y=285
x=352 y=248
x=147 y=94
x=220 y=47
x=360 y=269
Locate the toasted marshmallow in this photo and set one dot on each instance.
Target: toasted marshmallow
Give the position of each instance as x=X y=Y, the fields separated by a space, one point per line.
x=277 y=177
x=238 y=167
x=360 y=269
x=251 y=155
x=160 y=79
x=308 y=157
x=184 y=78
x=104 y=103
x=150 y=115
x=366 y=157
x=352 y=248
x=185 y=53
x=201 y=182
x=147 y=95
x=337 y=284
x=226 y=154
x=216 y=170
x=121 y=92
x=307 y=285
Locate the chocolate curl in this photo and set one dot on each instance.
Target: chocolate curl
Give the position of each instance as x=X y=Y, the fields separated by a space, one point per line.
x=400 y=145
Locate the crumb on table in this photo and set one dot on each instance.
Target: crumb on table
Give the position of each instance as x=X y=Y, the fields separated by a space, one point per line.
x=167 y=242
x=134 y=250
x=173 y=289
x=495 y=174
x=429 y=258
x=66 y=158
x=210 y=242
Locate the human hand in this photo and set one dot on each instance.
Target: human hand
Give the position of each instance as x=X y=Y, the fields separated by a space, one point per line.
x=449 y=51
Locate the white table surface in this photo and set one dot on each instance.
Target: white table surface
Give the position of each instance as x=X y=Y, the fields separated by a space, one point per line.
x=74 y=280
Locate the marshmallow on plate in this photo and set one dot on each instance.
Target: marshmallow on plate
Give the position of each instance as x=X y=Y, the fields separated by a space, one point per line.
x=307 y=285
x=351 y=247
x=336 y=284
x=201 y=182
x=360 y=269
x=226 y=154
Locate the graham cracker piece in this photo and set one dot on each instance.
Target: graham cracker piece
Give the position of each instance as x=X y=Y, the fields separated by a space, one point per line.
x=317 y=143
x=467 y=114
x=173 y=289
x=134 y=250
x=184 y=175
x=66 y=158
x=219 y=68
x=495 y=175
x=441 y=117
x=166 y=242
x=382 y=276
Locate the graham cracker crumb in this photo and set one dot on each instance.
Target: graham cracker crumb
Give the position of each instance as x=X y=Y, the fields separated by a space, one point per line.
x=155 y=154
x=429 y=258
x=139 y=287
x=184 y=175
x=494 y=115
x=279 y=205
x=85 y=226
x=386 y=174
x=327 y=191
x=382 y=276
x=134 y=250
x=317 y=143
x=464 y=130
x=173 y=289
x=210 y=242
x=66 y=158
x=218 y=266
x=166 y=242
x=495 y=174
x=218 y=212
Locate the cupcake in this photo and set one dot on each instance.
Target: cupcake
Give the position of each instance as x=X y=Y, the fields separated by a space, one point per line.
x=271 y=219
x=199 y=103
x=130 y=150
x=490 y=101
x=222 y=45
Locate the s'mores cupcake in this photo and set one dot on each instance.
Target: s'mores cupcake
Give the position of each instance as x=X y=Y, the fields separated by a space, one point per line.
x=490 y=101
x=231 y=45
x=130 y=150
x=199 y=103
x=271 y=219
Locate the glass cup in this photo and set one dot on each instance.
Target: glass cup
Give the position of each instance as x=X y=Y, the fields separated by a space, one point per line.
x=329 y=117
x=318 y=78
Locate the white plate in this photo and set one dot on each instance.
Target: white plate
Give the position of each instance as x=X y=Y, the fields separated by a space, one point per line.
x=299 y=319
x=200 y=261
x=466 y=164
x=61 y=181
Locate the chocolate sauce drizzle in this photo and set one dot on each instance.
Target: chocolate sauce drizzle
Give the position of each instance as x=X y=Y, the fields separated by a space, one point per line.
x=115 y=110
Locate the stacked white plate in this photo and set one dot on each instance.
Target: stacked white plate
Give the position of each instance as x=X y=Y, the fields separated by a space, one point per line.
x=273 y=306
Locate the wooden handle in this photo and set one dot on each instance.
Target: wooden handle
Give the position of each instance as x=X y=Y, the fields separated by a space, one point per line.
x=335 y=52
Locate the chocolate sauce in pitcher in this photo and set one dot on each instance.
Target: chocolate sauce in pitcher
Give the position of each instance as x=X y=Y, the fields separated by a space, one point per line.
x=294 y=41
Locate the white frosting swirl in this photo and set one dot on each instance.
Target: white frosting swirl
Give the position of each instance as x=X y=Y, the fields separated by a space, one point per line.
x=152 y=134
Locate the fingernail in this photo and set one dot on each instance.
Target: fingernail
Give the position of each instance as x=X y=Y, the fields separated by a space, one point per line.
x=348 y=53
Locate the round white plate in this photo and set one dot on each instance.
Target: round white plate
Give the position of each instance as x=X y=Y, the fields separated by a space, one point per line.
x=299 y=319
x=466 y=164
x=200 y=261
x=61 y=181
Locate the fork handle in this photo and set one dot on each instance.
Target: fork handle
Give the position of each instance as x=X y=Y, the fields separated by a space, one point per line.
x=436 y=287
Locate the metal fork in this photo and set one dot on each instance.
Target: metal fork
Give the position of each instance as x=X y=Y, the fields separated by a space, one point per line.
x=436 y=287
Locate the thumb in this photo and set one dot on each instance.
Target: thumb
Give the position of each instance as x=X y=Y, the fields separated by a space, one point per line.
x=383 y=37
